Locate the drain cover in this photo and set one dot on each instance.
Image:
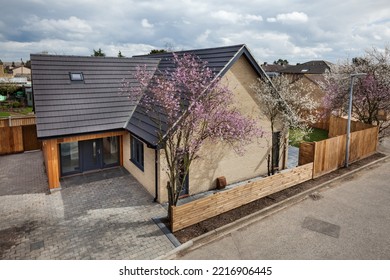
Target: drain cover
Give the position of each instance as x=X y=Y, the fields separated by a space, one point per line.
x=315 y=196
x=321 y=227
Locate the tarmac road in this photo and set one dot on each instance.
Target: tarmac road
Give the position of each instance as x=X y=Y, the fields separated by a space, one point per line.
x=345 y=220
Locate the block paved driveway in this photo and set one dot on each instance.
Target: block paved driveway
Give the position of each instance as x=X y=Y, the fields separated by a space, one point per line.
x=109 y=218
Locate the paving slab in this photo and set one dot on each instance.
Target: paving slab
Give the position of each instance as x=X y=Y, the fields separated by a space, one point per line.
x=108 y=218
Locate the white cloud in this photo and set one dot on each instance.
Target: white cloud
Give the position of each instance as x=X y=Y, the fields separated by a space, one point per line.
x=72 y=24
x=146 y=24
x=236 y=18
x=134 y=27
x=298 y=17
x=203 y=37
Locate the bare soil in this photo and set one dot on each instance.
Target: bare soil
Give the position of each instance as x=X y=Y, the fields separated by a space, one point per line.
x=203 y=227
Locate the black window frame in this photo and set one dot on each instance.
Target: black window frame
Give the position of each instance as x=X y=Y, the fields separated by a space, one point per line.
x=137 y=152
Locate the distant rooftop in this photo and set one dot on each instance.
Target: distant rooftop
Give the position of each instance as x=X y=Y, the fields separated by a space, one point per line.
x=310 y=67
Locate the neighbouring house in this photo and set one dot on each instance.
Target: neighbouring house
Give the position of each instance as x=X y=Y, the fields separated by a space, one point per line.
x=86 y=124
x=311 y=73
x=272 y=70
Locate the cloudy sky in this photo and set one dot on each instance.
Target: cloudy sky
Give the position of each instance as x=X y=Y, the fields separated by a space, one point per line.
x=298 y=30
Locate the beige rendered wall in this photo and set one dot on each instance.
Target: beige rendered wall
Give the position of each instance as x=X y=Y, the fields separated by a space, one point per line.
x=146 y=177
x=219 y=159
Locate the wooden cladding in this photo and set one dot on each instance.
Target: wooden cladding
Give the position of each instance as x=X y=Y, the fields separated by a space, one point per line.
x=220 y=202
x=90 y=136
x=52 y=157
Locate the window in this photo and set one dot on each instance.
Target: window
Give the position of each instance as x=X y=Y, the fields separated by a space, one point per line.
x=110 y=151
x=69 y=158
x=137 y=152
x=76 y=76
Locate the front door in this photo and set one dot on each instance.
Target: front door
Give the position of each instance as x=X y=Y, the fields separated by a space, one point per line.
x=91 y=154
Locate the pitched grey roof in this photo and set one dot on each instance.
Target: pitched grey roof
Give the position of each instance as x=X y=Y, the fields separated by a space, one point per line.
x=219 y=60
x=310 y=67
x=64 y=107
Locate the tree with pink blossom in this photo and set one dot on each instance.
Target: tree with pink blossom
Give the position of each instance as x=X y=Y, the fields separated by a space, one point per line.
x=371 y=93
x=190 y=106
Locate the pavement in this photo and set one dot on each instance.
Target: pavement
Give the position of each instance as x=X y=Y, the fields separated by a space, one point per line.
x=348 y=218
x=103 y=216
x=293 y=156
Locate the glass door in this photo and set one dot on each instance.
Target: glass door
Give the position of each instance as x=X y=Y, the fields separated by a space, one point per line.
x=91 y=154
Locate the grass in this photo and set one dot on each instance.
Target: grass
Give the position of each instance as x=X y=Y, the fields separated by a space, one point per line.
x=4 y=114
x=23 y=111
x=26 y=110
x=316 y=135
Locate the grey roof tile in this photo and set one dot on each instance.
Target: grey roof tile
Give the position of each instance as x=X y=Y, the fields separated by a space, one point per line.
x=64 y=107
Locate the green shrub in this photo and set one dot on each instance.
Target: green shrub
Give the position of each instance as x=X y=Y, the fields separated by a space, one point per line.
x=16 y=104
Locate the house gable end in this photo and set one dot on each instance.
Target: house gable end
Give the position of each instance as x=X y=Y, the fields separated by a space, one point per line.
x=219 y=60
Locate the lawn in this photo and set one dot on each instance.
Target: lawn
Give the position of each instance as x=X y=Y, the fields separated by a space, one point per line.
x=18 y=111
x=4 y=114
x=316 y=135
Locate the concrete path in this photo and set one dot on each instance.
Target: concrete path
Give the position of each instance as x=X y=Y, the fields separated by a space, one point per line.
x=346 y=220
x=293 y=156
x=108 y=218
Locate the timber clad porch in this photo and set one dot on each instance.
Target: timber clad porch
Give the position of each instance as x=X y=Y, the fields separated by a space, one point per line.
x=83 y=153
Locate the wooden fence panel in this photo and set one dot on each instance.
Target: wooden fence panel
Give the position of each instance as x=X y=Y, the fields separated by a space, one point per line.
x=30 y=138
x=338 y=126
x=329 y=154
x=306 y=153
x=363 y=143
x=18 y=134
x=220 y=202
x=17 y=121
x=11 y=140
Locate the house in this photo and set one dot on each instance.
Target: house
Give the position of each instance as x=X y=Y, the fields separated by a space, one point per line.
x=272 y=70
x=310 y=73
x=85 y=123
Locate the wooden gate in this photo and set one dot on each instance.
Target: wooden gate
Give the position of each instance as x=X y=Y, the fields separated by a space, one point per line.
x=30 y=139
x=18 y=135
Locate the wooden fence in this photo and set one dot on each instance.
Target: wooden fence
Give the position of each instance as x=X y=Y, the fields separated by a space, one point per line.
x=338 y=126
x=18 y=135
x=306 y=153
x=220 y=202
x=329 y=155
x=17 y=121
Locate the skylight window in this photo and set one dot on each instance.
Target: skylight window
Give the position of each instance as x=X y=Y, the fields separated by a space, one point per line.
x=76 y=76
x=304 y=70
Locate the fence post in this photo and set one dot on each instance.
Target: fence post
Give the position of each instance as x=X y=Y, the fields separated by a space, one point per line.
x=314 y=159
x=9 y=121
